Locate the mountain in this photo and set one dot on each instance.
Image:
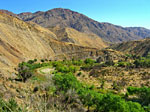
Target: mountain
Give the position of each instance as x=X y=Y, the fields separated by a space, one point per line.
x=20 y=41
x=9 y=13
x=70 y=35
x=139 y=48
x=67 y=18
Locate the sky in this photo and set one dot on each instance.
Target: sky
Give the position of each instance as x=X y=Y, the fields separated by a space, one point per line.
x=127 y=13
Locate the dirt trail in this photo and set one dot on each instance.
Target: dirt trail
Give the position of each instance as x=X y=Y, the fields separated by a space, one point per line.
x=45 y=71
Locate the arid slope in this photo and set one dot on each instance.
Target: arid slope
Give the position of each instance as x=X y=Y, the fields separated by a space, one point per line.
x=140 y=48
x=20 y=41
x=73 y=36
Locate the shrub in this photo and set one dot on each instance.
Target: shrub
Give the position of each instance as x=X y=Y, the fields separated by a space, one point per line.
x=67 y=69
x=25 y=69
x=142 y=62
x=65 y=82
x=30 y=61
x=42 y=60
x=135 y=107
x=77 y=62
x=35 y=60
x=89 y=61
x=109 y=63
x=10 y=106
x=79 y=74
x=143 y=94
x=24 y=72
x=89 y=97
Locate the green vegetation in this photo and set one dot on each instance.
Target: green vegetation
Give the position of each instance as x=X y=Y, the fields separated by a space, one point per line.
x=10 y=106
x=89 y=61
x=142 y=62
x=93 y=99
x=124 y=64
x=65 y=82
x=143 y=94
x=26 y=69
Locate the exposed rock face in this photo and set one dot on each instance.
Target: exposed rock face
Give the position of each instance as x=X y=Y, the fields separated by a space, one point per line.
x=67 y=18
x=140 y=48
x=20 y=41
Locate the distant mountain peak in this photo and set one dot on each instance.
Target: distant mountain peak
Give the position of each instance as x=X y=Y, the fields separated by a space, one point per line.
x=26 y=13
x=67 y=18
x=8 y=12
x=62 y=9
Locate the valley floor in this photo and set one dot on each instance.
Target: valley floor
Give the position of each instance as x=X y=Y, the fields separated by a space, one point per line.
x=77 y=86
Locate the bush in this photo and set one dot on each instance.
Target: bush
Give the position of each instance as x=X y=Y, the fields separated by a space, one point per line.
x=25 y=69
x=24 y=72
x=67 y=69
x=114 y=103
x=77 y=62
x=65 y=82
x=42 y=60
x=89 y=97
x=142 y=62
x=10 y=106
x=30 y=61
x=109 y=63
x=79 y=74
x=89 y=61
x=143 y=94
x=124 y=64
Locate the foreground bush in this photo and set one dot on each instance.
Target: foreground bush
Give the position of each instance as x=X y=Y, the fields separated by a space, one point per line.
x=114 y=103
x=142 y=93
x=10 y=106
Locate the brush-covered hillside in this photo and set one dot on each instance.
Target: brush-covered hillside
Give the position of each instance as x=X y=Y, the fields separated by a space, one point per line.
x=139 y=48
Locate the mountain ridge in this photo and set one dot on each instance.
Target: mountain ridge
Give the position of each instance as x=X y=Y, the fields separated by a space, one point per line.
x=68 y=18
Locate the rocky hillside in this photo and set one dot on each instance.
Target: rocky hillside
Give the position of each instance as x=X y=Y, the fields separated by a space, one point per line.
x=70 y=35
x=20 y=41
x=67 y=18
x=140 y=48
x=73 y=36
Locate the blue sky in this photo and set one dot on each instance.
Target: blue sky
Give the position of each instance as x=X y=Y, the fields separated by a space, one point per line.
x=128 y=13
